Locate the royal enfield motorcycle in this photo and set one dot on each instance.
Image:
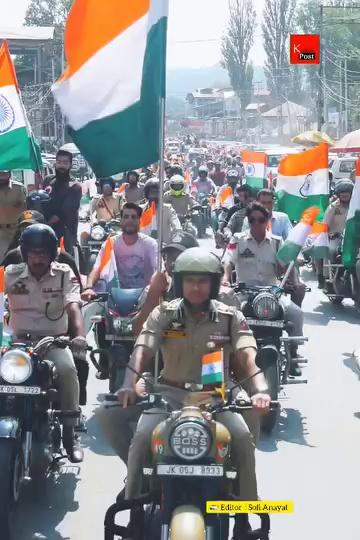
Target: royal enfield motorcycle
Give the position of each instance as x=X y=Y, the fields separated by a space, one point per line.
x=265 y=316
x=30 y=421
x=190 y=465
x=341 y=282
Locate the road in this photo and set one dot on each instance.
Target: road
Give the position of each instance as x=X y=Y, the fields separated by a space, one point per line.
x=311 y=459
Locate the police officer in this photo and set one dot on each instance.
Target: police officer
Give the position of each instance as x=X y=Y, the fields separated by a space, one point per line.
x=44 y=298
x=12 y=203
x=181 y=201
x=253 y=254
x=185 y=330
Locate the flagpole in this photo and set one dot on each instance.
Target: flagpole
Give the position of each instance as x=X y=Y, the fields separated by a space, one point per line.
x=160 y=213
x=287 y=273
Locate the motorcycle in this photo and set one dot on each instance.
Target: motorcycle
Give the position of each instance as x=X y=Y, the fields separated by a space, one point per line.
x=192 y=221
x=342 y=282
x=113 y=332
x=99 y=232
x=30 y=427
x=266 y=318
x=204 y=219
x=190 y=465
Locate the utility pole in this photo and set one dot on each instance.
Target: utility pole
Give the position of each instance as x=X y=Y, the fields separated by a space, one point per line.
x=321 y=89
x=346 y=96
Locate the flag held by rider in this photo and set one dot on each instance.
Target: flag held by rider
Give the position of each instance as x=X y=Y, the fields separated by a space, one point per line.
x=18 y=149
x=352 y=226
x=303 y=182
x=297 y=237
x=255 y=168
x=110 y=91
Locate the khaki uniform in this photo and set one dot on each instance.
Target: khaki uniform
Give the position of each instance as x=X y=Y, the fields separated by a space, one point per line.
x=181 y=204
x=183 y=341
x=12 y=204
x=106 y=209
x=335 y=217
x=38 y=309
x=256 y=264
x=133 y=194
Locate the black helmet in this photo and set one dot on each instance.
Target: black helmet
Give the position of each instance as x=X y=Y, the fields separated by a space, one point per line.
x=135 y=173
x=106 y=180
x=344 y=186
x=198 y=260
x=153 y=183
x=38 y=236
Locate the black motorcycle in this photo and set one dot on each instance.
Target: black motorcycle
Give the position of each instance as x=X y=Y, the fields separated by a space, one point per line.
x=114 y=334
x=341 y=282
x=265 y=315
x=204 y=218
x=30 y=421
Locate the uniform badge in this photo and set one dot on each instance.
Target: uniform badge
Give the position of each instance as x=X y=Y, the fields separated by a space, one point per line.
x=19 y=288
x=247 y=254
x=174 y=333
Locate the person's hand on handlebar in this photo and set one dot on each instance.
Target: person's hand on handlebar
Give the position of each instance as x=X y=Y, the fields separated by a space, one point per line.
x=127 y=395
x=88 y=294
x=261 y=402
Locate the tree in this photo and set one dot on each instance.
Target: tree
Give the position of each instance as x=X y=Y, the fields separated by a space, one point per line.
x=236 y=46
x=278 y=23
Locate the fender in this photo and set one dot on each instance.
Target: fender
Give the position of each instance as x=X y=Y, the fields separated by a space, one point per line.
x=9 y=427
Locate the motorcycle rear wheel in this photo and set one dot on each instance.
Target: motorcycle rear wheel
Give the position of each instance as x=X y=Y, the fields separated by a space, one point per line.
x=269 y=421
x=10 y=474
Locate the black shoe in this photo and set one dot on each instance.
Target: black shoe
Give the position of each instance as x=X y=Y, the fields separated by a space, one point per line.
x=102 y=375
x=72 y=445
x=295 y=370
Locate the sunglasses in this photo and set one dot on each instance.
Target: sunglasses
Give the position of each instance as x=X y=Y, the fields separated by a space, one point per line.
x=257 y=220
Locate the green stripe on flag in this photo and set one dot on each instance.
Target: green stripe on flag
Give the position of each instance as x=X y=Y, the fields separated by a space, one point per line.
x=16 y=150
x=288 y=252
x=351 y=241
x=212 y=378
x=255 y=183
x=294 y=206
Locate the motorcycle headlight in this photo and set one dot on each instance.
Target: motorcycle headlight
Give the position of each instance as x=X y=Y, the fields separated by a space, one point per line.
x=15 y=366
x=190 y=441
x=97 y=233
x=266 y=306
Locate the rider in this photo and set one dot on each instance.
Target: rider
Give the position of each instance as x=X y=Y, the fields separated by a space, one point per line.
x=253 y=254
x=171 y=222
x=132 y=190
x=335 y=217
x=225 y=199
x=218 y=175
x=107 y=205
x=181 y=201
x=44 y=300
x=204 y=184
x=198 y=318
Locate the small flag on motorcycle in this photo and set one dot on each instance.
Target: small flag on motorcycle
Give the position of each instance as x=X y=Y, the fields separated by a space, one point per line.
x=212 y=370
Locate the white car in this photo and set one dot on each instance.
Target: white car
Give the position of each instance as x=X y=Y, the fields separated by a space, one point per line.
x=342 y=167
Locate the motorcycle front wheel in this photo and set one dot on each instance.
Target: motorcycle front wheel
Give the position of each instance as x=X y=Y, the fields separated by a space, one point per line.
x=269 y=421
x=10 y=476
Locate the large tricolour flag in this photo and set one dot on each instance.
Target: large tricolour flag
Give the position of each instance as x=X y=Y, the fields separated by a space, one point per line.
x=18 y=149
x=351 y=243
x=255 y=168
x=303 y=182
x=115 y=77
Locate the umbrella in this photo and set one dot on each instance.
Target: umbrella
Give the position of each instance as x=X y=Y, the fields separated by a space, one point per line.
x=312 y=137
x=348 y=143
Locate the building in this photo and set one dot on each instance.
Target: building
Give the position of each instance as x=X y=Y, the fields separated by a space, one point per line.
x=287 y=118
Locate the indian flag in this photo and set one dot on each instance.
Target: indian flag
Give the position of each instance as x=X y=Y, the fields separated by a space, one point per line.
x=212 y=368
x=352 y=227
x=148 y=220
x=111 y=89
x=18 y=149
x=255 y=168
x=317 y=243
x=297 y=237
x=303 y=182
x=225 y=197
x=106 y=263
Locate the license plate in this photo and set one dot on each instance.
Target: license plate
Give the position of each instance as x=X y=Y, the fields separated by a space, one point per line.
x=190 y=470
x=32 y=390
x=260 y=322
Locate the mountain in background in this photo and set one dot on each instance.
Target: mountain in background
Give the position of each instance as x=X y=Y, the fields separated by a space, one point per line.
x=184 y=80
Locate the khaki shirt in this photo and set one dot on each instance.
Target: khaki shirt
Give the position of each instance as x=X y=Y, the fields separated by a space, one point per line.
x=134 y=194
x=12 y=203
x=255 y=264
x=335 y=216
x=108 y=211
x=33 y=303
x=184 y=340
x=182 y=204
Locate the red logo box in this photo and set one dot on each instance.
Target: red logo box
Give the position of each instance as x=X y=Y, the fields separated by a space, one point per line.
x=304 y=49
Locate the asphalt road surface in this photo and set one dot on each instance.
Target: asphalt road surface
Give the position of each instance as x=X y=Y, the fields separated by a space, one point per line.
x=313 y=458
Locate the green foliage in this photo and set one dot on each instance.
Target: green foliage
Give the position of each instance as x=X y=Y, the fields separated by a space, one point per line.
x=236 y=46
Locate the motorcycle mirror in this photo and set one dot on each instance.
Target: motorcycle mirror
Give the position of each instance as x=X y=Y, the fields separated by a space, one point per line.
x=267 y=356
